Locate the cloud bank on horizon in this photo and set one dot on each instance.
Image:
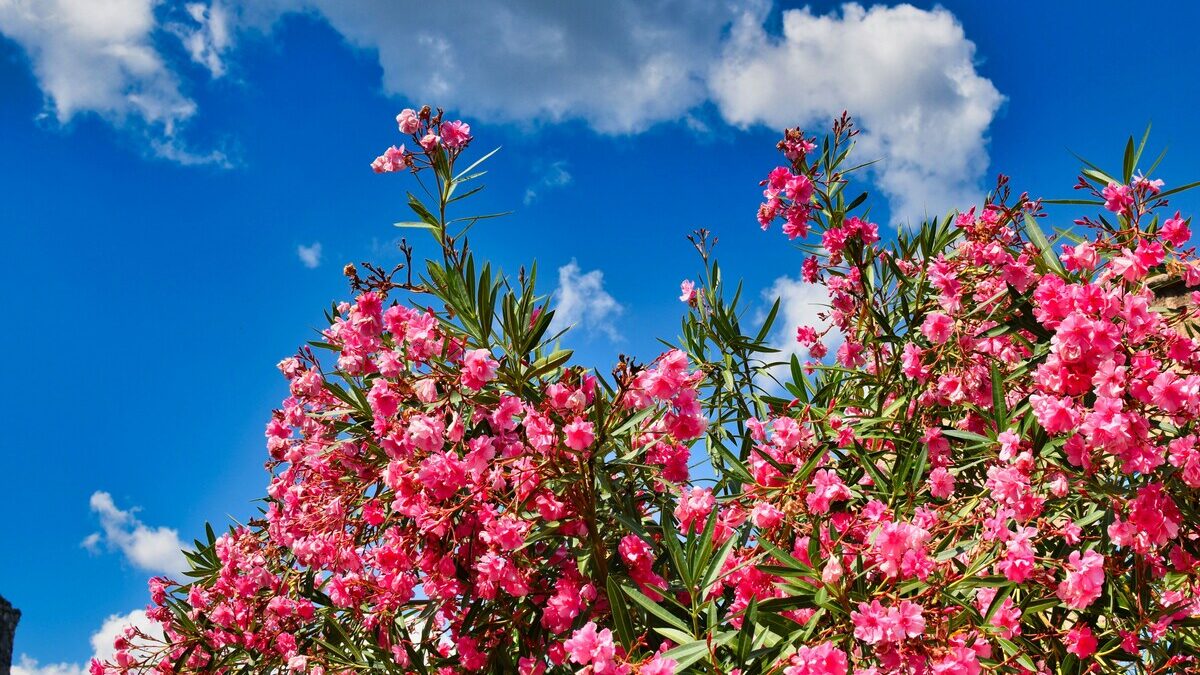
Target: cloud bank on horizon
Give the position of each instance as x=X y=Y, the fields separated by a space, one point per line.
x=621 y=67
x=102 y=645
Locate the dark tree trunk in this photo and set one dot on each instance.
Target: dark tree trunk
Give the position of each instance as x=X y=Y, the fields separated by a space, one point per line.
x=9 y=616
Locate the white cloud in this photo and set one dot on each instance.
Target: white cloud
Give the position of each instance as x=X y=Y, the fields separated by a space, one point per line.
x=906 y=74
x=156 y=549
x=555 y=176
x=619 y=65
x=580 y=300
x=175 y=150
x=100 y=57
x=102 y=639
x=97 y=56
x=209 y=37
x=102 y=645
x=28 y=666
x=310 y=255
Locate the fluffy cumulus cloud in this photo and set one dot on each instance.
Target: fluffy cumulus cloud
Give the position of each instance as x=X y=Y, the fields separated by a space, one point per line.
x=101 y=56
x=310 y=256
x=907 y=74
x=97 y=56
x=581 y=301
x=154 y=549
x=102 y=645
x=619 y=65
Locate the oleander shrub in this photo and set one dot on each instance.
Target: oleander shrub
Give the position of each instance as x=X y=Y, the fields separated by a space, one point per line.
x=988 y=460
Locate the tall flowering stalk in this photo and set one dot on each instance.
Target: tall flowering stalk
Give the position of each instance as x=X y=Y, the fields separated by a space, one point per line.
x=988 y=463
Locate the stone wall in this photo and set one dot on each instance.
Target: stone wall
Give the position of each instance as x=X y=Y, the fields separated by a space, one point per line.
x=9 y=616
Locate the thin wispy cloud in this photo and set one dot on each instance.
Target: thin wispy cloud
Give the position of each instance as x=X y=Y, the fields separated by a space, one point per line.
x=154 y=549
x=553 y=177
x=310 y=255
x=207 y=36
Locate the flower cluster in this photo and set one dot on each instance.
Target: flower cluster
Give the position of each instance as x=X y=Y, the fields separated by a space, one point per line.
x=995 y=469
x=1041 y=424
x=429 y=132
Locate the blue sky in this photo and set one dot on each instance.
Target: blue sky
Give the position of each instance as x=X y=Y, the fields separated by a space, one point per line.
x=154 y=203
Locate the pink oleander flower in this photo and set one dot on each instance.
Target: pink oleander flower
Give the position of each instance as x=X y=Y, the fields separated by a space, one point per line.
x=941 y=483
x=1081 y=257
x=899 y=550
x=658 y=665
x=1084 y=580
x=874 y=623
x=408 y=122
x=810 y=270
x=1175 y=230
x=579 y=434
x=694 y=507
x=687 y=291
x=456 y=134
x=765 y=516
x=959 y=660
x=1055 y=414
x=1150 y=186
x=392 y=159
x=937 y=327
x=822 y=659
x=1117 y=198
x=384 y=402
x=826 y=488
x=589 y=646
x=833 y=571
x=1081 y=642
x=1017 y=563
x=478 y=368
x=1153 y=520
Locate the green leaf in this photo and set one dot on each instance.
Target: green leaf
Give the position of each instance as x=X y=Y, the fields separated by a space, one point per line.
x=459 y=178
x=1038 y=238
x=1013 y=651
x=1181 y=188
x=1127 y=164
x=716 y=564
x=655 y=609
x=998 y=406
x=1137 y=156
x=620 y=613
x=766 y=327
x=857 y=200
x=1075 y=202
x=966 y=436
x=686 y=654
x=422 y=212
